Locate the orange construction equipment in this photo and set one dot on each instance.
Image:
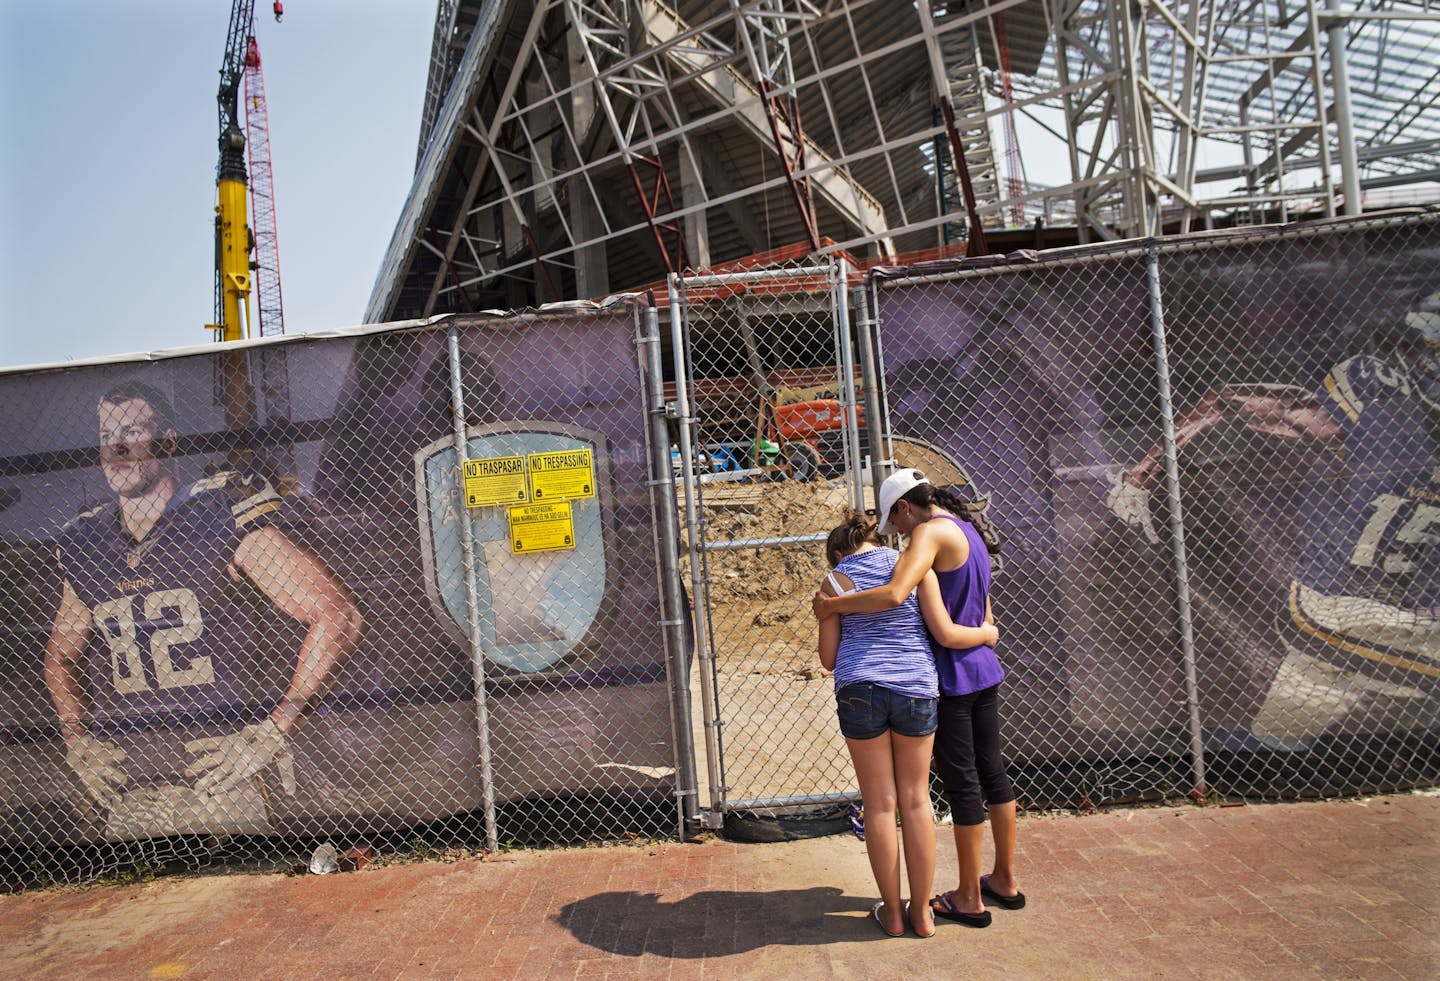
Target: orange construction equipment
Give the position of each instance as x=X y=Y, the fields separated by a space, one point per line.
x=803 y=420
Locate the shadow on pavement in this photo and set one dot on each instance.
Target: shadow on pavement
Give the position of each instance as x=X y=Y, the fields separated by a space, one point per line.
x=712 y=924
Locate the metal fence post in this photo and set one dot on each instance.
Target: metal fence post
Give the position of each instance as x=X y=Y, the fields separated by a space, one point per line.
x=855 y=484
x=709 y=701
x=876 y=421
x=472 y=612
x=662 y=491
x=1177 y=525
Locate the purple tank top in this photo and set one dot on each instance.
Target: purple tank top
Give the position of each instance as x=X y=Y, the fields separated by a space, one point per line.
x=964 y=591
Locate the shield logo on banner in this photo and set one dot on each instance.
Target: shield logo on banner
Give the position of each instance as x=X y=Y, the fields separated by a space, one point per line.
x=537 y=509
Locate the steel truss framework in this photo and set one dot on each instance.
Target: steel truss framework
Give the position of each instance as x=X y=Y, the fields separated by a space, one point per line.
x=575 y=148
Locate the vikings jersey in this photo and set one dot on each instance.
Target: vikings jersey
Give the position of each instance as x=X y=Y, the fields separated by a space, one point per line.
x=1368 y=588
x=171 y=630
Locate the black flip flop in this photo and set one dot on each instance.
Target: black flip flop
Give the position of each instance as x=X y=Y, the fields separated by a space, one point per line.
x=944 y=907
x=1016 y=901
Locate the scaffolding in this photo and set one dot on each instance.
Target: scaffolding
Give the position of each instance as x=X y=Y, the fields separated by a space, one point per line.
x=576 y=148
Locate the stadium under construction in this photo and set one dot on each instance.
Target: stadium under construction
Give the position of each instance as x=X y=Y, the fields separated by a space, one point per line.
x=575 y=148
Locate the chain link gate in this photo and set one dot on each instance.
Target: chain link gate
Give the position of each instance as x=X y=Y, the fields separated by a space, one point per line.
x=1171 y=435
x=769 y=448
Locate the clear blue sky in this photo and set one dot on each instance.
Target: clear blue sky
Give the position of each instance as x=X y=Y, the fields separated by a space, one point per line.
x=107 y=163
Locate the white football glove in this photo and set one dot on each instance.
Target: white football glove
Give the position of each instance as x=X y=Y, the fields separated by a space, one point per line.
x=1131 y=505
x=224 y=762
x=97 y=763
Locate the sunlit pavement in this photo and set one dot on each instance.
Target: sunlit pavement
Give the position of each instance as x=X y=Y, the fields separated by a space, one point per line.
x=1329 y=889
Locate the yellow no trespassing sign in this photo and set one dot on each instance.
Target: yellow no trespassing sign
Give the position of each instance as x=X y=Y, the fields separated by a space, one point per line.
x=562 y=474
x=496 y=480
x=552 y=475
x=541 y=527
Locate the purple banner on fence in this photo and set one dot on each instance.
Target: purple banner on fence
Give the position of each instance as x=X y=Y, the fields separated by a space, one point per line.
x=1304 y=375
x=218 y=613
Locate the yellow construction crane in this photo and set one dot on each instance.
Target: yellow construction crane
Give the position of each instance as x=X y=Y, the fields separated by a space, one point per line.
x=234 y=239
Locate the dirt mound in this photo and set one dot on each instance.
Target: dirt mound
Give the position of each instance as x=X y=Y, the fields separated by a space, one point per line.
x=772 y=579
x=772 y=574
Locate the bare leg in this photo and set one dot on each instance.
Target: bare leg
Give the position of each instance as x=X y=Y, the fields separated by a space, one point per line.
x=1002 y=829
x=875 y=770
x=917 y=824
x=969 y=839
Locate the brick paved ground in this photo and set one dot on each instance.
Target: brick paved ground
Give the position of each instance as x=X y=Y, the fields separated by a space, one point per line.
x=1308 y=890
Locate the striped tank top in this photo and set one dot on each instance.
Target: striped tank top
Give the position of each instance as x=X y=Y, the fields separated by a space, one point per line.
x=891 y=647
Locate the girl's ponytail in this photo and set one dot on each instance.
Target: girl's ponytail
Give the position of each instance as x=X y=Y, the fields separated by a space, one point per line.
x=854 y=530
x=972 y=511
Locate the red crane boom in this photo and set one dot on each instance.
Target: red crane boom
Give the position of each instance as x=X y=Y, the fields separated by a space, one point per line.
x=262 y=196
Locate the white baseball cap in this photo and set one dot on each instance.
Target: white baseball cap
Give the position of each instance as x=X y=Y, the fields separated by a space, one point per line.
x=896 y=486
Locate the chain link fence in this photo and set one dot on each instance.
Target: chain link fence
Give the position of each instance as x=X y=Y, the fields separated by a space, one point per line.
x=1214 y=460
x=544 y=577
x=405 y=594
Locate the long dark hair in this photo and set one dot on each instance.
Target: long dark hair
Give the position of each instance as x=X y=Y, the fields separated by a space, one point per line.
x=971 y=508
x=853 y=531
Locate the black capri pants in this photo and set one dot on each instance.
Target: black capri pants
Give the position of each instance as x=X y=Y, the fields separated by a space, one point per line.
x=967 y=755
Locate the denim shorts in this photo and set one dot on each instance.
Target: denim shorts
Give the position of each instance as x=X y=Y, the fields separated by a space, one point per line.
x=867 y=710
